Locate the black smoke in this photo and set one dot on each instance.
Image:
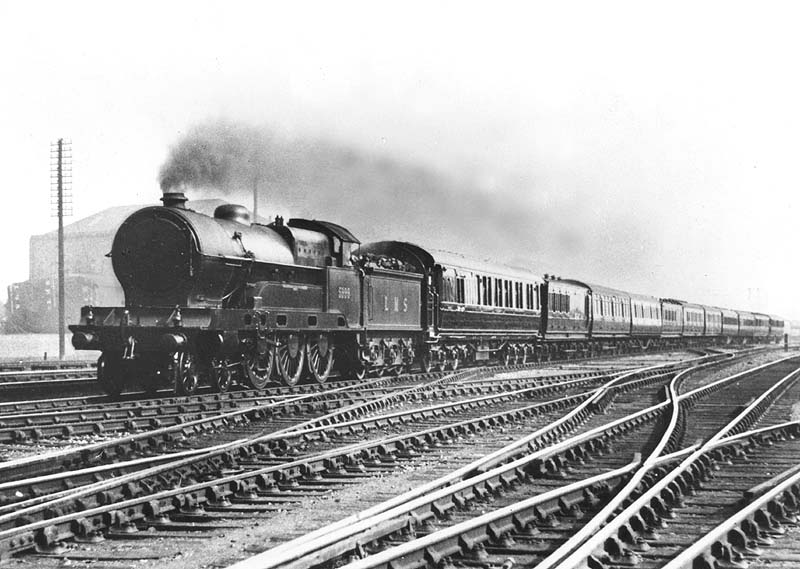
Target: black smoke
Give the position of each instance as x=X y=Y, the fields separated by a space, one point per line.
x=219 y=156
x=385 y=197
x=375 y=196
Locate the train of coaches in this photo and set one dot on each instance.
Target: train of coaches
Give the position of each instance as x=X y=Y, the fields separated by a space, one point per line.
x=221 y=300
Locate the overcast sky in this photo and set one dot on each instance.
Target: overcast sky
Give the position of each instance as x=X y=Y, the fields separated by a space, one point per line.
x=676 y=120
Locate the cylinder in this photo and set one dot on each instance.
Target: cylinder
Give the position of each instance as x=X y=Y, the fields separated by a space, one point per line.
x=85 y=341
x=172 y=342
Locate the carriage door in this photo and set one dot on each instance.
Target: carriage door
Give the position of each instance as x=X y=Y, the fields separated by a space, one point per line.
x=432 y=304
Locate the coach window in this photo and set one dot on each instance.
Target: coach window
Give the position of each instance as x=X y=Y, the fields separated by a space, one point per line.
x=460 y=296
x=478 y=290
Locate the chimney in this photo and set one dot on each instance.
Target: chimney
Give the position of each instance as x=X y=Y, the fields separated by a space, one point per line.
x=174 y=199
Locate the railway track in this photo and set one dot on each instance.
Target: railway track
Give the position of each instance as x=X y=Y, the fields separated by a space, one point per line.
x=64 y=418
x=543 y=506
x=21 y=382
x=251 y=473
x=19 y=424
x=197 y=491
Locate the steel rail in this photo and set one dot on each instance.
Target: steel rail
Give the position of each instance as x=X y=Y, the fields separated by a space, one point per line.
x=68 y=458
x=342 y=534
x=220 y=488
x=284 y=553
x=481 y=423
x=362 y=424
x=581 y=552
x=636 y=478
x=183 y=490
x=300 y=431
x=115 y=470
x=76 y=404
x=471 y=533
x=731 y=537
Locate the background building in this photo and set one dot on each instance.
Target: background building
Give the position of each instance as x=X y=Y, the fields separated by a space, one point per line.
x=89 y=276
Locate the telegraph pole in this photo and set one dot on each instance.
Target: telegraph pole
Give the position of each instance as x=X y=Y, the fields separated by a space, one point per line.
x=61 y=202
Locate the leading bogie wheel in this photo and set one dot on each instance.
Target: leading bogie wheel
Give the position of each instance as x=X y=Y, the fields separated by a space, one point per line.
x=184 y=373
x=320 y=359
x=291 y=358
x=110 y=373
x=221 y=375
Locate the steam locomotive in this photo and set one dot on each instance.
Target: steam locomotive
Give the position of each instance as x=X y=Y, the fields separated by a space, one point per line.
x=220 y=300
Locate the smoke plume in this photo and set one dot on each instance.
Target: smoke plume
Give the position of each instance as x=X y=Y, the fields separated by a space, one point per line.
x=376 y=196
x=382 y=197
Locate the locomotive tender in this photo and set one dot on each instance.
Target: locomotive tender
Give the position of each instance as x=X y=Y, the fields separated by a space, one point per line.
x=220 y=300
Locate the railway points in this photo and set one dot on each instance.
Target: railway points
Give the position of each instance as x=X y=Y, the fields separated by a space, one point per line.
x=339 y=451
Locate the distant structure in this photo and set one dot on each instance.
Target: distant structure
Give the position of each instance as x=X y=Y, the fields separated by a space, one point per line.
x=88 y=275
